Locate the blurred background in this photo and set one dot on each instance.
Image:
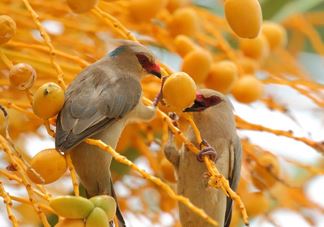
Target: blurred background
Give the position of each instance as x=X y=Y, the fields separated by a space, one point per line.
x=282 y=128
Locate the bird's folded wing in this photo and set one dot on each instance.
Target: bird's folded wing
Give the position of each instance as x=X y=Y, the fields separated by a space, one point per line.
x=93 y=103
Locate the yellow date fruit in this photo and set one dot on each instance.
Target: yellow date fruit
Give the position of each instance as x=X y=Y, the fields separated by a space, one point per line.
x=244 y=17
x=22 y=76
x=72 y=206
x=49 y=166
x=184 y=21
x=247 y=89
x=179 y=90
x=7 y=28
x=222 y=76
x=97 y=218
x=275 y=34
x=257 y=48
x=249 y=65
x=107 y=203
x=184 y=45
x=48 y=100
x=197 y=64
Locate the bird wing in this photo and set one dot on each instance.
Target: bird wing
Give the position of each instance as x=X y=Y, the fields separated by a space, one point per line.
x=94 y=101
x=236 y=156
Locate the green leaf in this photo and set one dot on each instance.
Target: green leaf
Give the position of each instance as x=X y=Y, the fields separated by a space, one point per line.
x=271 y=7
x=294 y=7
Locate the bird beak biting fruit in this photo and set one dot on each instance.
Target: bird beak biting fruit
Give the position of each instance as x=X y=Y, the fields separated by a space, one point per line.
x=196 y=107
x=155 y=70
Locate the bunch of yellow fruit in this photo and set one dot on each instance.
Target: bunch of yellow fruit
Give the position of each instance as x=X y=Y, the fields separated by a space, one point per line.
x=229 y=54
x=227 y=76
x=82 y=212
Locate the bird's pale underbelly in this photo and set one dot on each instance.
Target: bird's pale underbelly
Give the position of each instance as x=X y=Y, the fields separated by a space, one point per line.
x=193 y=184
x=93 y=164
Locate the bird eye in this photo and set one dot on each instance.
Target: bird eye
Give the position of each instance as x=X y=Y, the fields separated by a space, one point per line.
x=213 y=100
x=143 y=60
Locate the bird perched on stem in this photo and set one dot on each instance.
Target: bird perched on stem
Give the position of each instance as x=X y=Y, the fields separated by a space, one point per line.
x=99 y=103
x=213 y=115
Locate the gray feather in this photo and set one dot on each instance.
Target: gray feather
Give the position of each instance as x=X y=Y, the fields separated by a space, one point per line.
x=94 y=100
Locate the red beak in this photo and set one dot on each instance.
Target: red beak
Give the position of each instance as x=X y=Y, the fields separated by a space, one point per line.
x=155 y=70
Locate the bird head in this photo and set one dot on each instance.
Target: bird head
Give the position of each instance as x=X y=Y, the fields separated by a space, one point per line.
x=206 y=98
x=143 y=56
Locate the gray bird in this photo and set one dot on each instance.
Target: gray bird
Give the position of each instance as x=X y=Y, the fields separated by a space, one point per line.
x=99 y=103
x=213 y=115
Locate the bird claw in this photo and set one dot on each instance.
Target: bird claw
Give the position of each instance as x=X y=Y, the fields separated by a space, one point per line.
x=209 y=151
x=203 y=143
x=173 y=116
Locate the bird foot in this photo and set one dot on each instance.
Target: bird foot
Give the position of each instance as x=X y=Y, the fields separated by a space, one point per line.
x=175 y=118
x=208 y=150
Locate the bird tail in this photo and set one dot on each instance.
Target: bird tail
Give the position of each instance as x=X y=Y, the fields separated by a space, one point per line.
x=121 y=221
x=228 y=214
